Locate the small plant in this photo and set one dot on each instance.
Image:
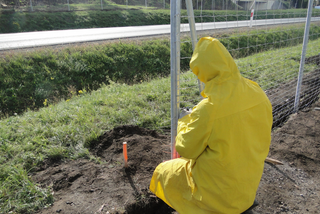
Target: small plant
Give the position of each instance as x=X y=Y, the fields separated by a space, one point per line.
x=151 y=97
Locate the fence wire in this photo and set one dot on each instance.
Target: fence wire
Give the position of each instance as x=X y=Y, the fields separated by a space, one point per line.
x=268 y=53
x=81 y=5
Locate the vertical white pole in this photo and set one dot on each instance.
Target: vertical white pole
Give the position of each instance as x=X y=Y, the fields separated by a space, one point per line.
x=68 y=6
x=193 y=33
x=175 y=69
x=303 y=56
x=146 y=3
x=252 y=12
x=280 y=5
x=31 y=5
x=192 y=24
x=164 y=4
x=251 y=17
x=101 y=5
x=127 y=3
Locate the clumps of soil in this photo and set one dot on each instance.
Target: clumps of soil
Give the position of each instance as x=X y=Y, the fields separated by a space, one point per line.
x=295 y=186
x=83 y=186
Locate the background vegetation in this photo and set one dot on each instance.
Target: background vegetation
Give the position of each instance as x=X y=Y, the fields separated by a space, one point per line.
x=38 y=21
x=36 y=79
x=206 y=5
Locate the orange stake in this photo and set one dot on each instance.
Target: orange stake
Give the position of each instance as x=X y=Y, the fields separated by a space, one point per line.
x=175 y=153
x=125 y=154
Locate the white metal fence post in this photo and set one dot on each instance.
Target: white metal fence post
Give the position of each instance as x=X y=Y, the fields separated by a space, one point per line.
x=251 y=17
x=31 y=5
x=175 y=69
x=193 y=32
x=146 y=3
x=192 y=24
x=252 y=13
x=303 y=56
x=101 y=5
x=68 y=6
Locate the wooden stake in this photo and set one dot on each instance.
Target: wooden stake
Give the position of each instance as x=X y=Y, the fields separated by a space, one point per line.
x=273 y=161
x=125 y=154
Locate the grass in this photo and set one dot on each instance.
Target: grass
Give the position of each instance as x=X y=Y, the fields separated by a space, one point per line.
x=37 y=79
x=28 y=196
x=65 y=130
x=273 y=67
x=75 y=5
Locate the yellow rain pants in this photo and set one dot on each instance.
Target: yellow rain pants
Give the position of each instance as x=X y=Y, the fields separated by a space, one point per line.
x=223 y=142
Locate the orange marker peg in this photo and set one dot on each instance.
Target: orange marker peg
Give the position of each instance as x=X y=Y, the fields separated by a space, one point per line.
x=125 y=154
x=175 y=153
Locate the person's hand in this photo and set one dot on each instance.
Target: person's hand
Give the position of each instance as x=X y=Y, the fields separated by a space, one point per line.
x=184 y=112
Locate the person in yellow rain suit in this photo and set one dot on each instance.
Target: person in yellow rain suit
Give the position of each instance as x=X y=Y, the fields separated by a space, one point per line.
x=223 y=142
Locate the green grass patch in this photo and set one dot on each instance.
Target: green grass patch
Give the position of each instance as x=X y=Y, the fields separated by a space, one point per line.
x=42 y=77
x=274 y=67
x=65 y=130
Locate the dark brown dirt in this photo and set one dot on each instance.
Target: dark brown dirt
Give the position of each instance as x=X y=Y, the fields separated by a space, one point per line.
x=295 y=186
x=83 y=186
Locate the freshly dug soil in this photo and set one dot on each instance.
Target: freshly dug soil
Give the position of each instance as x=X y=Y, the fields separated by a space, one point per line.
x=83 y=186
x=295 y=186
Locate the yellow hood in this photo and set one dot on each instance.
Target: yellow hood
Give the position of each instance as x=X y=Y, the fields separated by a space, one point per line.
x=211 y=60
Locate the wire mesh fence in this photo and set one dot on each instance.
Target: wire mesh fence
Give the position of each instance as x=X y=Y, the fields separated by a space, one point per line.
x=81 y=5
x=265 y=38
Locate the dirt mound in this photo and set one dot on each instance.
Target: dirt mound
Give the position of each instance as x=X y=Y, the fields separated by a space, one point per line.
x=82 y=186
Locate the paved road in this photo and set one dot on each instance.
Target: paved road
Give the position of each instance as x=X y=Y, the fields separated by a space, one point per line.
x=56 y=37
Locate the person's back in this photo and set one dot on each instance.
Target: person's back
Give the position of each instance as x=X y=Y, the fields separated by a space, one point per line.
x=224 y=141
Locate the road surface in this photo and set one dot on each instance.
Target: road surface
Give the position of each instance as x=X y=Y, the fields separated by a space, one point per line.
x=58 y=37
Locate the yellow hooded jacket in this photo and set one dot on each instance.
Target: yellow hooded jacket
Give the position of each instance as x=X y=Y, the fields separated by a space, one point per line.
x=223 y=142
